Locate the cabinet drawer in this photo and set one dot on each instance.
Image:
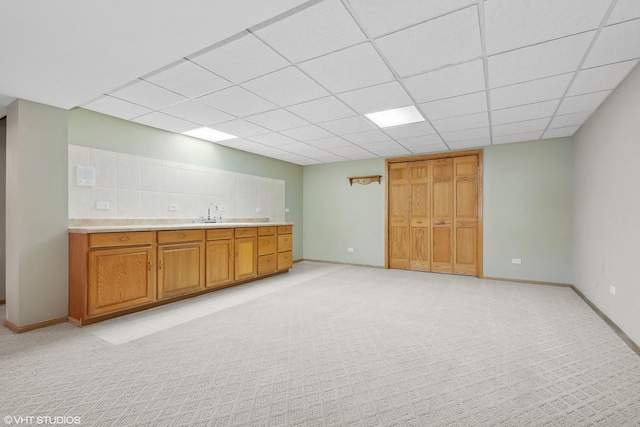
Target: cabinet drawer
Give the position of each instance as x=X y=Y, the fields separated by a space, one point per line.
x=266 y=264
x=266 y=245
x=284 y=229
x=103 y=240
x=246 y=232
x=177 y=236
x=285 y=260
x=220 y=234
x=266 y=231
x=284 y=242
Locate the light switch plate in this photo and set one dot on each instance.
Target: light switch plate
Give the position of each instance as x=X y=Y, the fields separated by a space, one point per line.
x=102 y=205
x=173 y=207
x=516 y=261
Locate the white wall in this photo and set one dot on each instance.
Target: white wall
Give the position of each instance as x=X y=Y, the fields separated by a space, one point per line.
x=606 y=220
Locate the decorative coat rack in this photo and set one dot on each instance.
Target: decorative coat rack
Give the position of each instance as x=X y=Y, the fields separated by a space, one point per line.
x=364 y=180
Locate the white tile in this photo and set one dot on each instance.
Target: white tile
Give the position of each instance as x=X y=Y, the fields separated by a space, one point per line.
x=150 y=177
x=600 y=78
x=382 y=146
x=616 y=43
x=241 y=128
x=170 y=179
x=197 y=112
x=109 y=195
x=79 y=202
x=348 y=151
x=625 y=10
x=418 y=141
x=456 y=106
x=347 y=126
x=372 y=99
x=273 y=139
x=277 y=120
x=77 y=156
x=116 y=107
x=566 y=120
x=128 y=204
x=189 y=79
x=383 y=16
x=586 y=102
x=410 y=130
x=286 y=87
x=237 y=101
x=524 y=112
x=530 y=92
x=367 y=137
x=105 y=163
x=474 y=143
x=166 y=122
x=512 y=24
x=148 y=95
x=331 y=158
x=241 y=59
x=470 y=121
x=447 y=40
x=128 y=175
x=519 y=137
x=313 y=154
x=327 y=143
x=349 y=69
x=560 y=132
x=520 y=127
x=397 y=150
x=448 y=82
x=306 y=133
x=539 y=61
x=322 y=110
x=428 y=148
x=298 y=147
x=465 y=135
x=316 y=30
x=150 y=204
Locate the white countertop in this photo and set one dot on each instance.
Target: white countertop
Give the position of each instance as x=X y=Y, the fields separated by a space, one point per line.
x=153 y=227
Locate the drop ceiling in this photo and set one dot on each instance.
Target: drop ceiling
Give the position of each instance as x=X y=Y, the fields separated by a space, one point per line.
x=297 y=86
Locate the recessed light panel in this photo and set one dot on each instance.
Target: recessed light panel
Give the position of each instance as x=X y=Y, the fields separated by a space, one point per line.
x=209 y=134
x=396 y=117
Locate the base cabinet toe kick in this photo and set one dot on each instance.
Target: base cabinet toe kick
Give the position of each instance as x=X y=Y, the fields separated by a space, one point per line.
x=117 y=273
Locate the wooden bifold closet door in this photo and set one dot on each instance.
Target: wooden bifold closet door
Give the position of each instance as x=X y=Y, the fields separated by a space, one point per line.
x=434 y=213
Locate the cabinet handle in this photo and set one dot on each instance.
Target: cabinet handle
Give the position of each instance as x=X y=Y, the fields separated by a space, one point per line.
x=182 y=235
x=124 y=239
x=419 y=222
x=266 y=261
x=150 y=265
x=161 y=264
x=229 y=254
x=439 y=222
x=266 y=243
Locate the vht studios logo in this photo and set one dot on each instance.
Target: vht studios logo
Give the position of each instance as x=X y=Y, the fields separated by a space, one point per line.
x=41 y=419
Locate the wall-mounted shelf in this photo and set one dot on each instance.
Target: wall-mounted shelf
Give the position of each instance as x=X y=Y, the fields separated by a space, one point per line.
x=364 y=180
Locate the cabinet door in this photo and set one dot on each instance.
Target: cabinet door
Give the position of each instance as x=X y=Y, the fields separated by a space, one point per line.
x=442 y=216
x=419 y=238
x=466 y=216
x=180 y=269
x=119 y=279
x=399 y=209
x=246 y=265
x=220 y=266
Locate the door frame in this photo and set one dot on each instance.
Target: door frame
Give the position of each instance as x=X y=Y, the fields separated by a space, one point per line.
x=436 y=156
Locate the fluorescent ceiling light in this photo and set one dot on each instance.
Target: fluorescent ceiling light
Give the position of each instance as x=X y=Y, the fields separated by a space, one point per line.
x=209 y=134
x=396 y=117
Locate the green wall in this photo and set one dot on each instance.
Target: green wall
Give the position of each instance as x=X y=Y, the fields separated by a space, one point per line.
x=90 y=129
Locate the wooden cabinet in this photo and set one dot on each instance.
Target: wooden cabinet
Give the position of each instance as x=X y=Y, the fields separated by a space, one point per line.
x=285 y=244
x=246 y=253
x=267 y=242
x=180 y=262
x=220 y=270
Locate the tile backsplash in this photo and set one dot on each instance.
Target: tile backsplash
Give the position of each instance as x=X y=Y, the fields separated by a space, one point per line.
x=143 y=187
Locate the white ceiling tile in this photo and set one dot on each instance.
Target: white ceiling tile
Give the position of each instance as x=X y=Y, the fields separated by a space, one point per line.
x=616 y=43
x=538 y=110
x=417 y=141
x=429 y=148
x=317 y=30
x=382 y=97
x=560 y=132
x=392 y=151
x=286 y=87
x=273 y=139
x=307 y=133
x=148 y=95
x=298 y=147
x=116 y=107
x=241 y=59
x=451 y=81
x=457 y=106
x=530 y=92
x=348 y=151
x=625 y=10
x=473 y=143
x=189 y=79
x=331 y=158
x=277 y=120
x=317 y=154
x=244 y=145
x=465 y=135
x=470 y=121
x=376 y=147
x=241 y=128
x=322 y=110
x=600 y=78
x=446 y=40
x=331 y=142
x=237 y=101
x=360 y=156
x=511 y=24
x=542 y=60
x=520 y=127
x=198 y=113
x=347 y=126
x=383 y=16
x=367 y=137
x=520 y=137
x=166 y=122
x=586 y=102
x=349 y=69
x=566 y=120
x=410 y=130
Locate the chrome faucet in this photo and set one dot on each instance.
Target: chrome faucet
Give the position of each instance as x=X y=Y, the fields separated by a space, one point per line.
x=214 y=217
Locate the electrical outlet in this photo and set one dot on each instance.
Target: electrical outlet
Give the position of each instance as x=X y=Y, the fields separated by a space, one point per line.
x=258 y=210
x=173 y=207
x=102 y=205
x=516 y=261
x=612 y=289
x=349 y=249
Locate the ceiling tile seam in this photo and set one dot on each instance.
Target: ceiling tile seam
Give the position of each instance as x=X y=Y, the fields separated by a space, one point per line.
x=542 y=42
x=485 y=64
x=614 y=63
x=347 y=5
x=623 y=22
x=604 y=20
x=153 y=110
x=533 y=80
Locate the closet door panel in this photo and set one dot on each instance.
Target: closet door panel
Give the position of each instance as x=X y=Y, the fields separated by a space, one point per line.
x=466 y=215
x=420 y=212
x=399 y=205
x=442 y=216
